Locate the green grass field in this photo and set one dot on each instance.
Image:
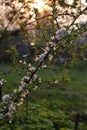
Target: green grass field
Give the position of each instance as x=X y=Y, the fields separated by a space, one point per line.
x=52 y=106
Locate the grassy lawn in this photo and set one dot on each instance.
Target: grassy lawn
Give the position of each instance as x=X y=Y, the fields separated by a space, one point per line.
x=54 y=105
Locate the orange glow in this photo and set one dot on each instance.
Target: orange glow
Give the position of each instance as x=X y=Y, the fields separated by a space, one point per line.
x=39 y=4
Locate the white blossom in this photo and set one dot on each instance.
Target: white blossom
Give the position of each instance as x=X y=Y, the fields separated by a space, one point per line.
x=24 y=56
x=6 y=98
x=40 y=80
x=12 y=106
x=50 y=57
x=47 y=49
x=84 y=2
x=32 y=44
x=2 y=81
x=52 y=44
x=44 y=66
x=70 y=2
x=61 y=34
x=42 y=56
x=52 y=38
x=20 y=103
x=22 y=86
x=29 y=65
x=24 y=62
x=54 y=48
x=10 y=121
x=24 y=79
x=22 y=99
x=31 y=69
x=56 y=81
x=15 y=91
x=23 y=95
x=36 y=59
x=34 y=77
x=20 y=61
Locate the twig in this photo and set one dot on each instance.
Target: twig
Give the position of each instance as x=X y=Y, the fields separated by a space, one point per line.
x=77 y=17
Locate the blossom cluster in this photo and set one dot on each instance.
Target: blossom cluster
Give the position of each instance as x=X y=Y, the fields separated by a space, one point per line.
x=60 y=35
x=7 y=99
x=23 y=82
x=40 y=57
x=2 y=81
